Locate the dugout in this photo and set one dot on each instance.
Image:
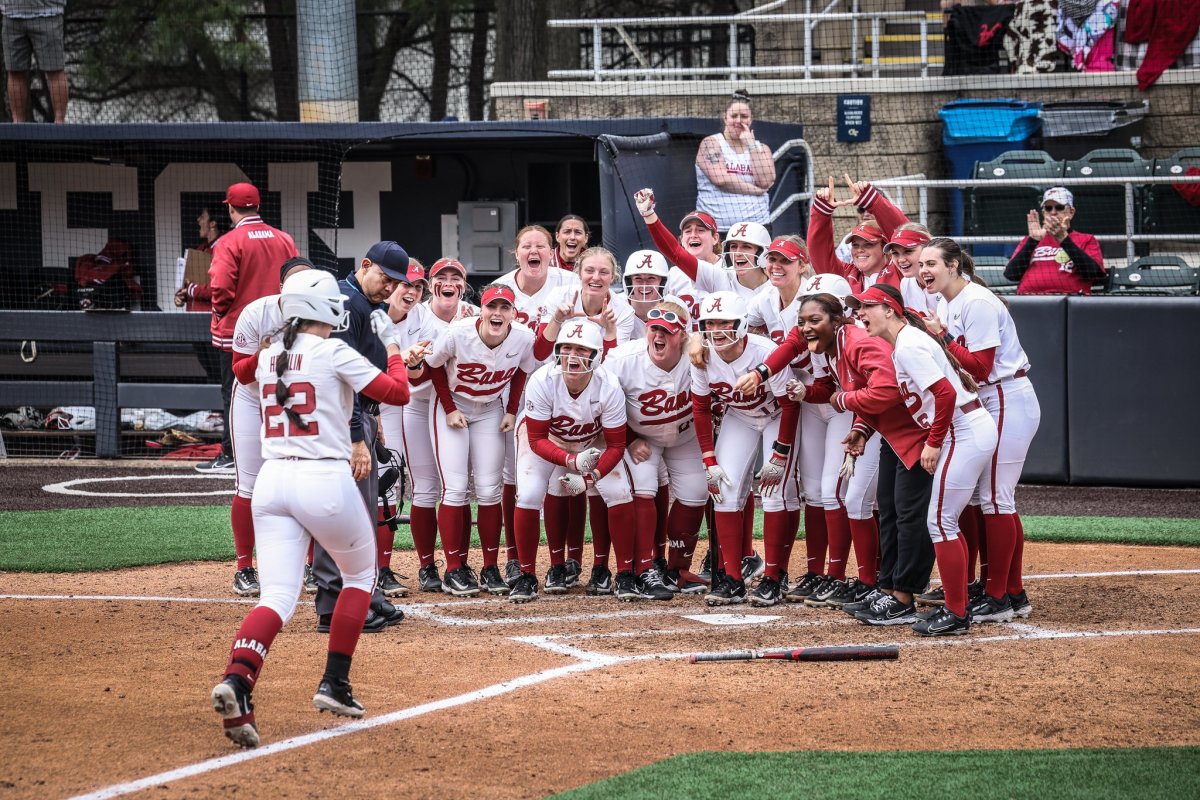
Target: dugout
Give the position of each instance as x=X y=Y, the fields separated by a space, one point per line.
x=337 y=188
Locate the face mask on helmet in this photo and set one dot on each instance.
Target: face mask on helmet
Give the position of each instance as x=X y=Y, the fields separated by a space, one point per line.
x=747 y=233
x=723 y=307
x=580 y=333
x=646 y=263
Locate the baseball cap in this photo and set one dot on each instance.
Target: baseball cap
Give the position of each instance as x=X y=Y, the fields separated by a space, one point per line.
x=1060 y=195
x=789 y=249
x=871 y=233
x=444 y=264
x=391 y=258
x=494 y=293
x=242 y=195
x=415 y=271
x=704 y=219
x=907 y=239
x=874 y=297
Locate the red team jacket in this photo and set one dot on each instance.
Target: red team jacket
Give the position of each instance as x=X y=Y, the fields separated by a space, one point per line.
x=823 y=250
x=245 y=267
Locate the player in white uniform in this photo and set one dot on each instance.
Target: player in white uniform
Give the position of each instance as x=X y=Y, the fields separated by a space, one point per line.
x=407 y=426
x=593 y=298
x=981 y=334
x=940 y=396
x=258 y=321
x=305 y=491
x=903 y=250
x=656 y=380
x=473 y=365
x=763 y=420
x=572 y=408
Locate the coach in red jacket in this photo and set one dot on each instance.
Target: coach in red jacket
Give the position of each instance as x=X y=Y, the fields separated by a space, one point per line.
x=245 y=267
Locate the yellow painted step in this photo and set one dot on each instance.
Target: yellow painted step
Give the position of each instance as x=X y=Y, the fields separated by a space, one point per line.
x=933 y=60
x=900 y=37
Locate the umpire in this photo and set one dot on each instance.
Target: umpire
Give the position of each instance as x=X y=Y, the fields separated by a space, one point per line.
x=368 y=288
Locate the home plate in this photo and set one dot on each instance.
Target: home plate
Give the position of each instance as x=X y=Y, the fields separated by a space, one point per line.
x=734 y=619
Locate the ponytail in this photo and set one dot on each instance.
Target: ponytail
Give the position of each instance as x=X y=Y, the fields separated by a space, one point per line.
x=952 y=251
x=282 y=392
x=914 y=319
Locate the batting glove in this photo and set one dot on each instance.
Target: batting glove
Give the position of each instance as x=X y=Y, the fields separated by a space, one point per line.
x=716 y=478
x=382 y=326
x=771 y=475
x=574 y=484
x=586 y=461
x=795 y=390
x=644 y=198
x=847 y=470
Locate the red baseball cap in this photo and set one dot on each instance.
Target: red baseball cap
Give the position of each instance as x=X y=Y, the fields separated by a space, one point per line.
x=704 y=219
x=444 y=264
x=874 y=297
x=907 y=239
x=494 y=293
x=415 y=271
x=242 y=195
x=788 y=249
x=666 y=319
x=869 y=232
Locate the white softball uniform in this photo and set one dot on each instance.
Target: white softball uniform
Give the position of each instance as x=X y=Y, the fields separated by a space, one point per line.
x=970 y=441
x=478 y=376
x=711 y=278
x=626 y=319
x=576 y=423
x=258 y=320
x=915 y=297
x=766 y=310
x=658 y=409
x=750 y=425
x=304 y=489
x=978 y=320
x=531 y=308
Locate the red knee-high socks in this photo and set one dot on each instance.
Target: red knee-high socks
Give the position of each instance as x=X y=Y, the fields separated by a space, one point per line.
x=684 y=526
x=730 y=534
x=490 y=522
x=748 y=525
x=816 y=539
x=508 y=501
x=794 y=527
x=308 y=558
x=1015 y=584
x=346 y=624
x=1001 y=545
x=601 y=541
x=646 y=511
x=970 y=531
x=952 y=567
x=464 y=535
x=556 y=513
x=577 y=512
x=422 y=522
x=241 y=519
x=865 y=535
x=838 y=525
x=450 y=527
x=623 y=528
x=527 y=533
x=776 y=533
x=662 y=507
x=385 y=538
x=254 y=639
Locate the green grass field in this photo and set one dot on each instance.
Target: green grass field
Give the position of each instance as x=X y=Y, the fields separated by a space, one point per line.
x=65 y=540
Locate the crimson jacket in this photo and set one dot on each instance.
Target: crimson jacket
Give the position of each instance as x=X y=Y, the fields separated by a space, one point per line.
x=823 y=250
x=245 y=267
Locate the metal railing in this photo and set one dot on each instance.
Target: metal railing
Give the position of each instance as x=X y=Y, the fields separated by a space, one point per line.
x=734 y=70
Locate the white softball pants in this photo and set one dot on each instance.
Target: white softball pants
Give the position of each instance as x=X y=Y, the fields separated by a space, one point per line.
x=476 y=451
x=1014 y=407
x=968 y=447
x=537 y=477
x=684 y=472
x=738 y=446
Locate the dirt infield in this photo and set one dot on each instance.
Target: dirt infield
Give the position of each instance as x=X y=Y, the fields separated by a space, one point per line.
x=109 y=674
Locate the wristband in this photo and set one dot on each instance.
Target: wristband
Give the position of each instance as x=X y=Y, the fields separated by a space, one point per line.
x=710 y=461
x=782 y=449
x=946 y=337
x=763 y=371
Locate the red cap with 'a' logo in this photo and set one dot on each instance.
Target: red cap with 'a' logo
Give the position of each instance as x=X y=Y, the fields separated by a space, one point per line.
x=494 y=293
x=699 y=216
x=907 y=239
x=788 y=249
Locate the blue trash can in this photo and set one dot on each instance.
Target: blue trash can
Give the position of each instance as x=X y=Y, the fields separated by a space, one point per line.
x=980 y=130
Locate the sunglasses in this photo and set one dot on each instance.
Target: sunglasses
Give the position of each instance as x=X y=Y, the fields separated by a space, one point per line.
x=665 y=316
x=1053 y=207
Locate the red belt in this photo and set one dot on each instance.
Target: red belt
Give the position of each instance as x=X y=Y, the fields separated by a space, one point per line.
x=971 y=406
x=1021 y=373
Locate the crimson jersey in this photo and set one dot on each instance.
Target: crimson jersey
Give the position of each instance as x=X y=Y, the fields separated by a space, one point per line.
x=532 y=307
x=322 y=377
x=475 y=372
x=658 y=404
x=1051 y=270
x=574 y=421
x=245 y=267
x=720 y=378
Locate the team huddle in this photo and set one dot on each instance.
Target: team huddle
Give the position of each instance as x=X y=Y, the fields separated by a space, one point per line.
x=883 y=399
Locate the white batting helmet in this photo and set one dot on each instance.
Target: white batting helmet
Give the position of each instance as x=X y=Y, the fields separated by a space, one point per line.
x=723 y=306
x=751 y=233
x=646 y=262
x=827 y=283
x=314 y=294
x=581 y=332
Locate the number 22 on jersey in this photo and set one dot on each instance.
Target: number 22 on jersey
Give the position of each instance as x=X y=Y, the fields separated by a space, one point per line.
x=303 y=401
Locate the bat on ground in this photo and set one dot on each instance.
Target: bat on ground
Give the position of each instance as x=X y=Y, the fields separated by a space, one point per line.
x=833 y=653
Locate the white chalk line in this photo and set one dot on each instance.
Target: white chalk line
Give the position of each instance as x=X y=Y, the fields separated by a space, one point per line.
x=68 y=487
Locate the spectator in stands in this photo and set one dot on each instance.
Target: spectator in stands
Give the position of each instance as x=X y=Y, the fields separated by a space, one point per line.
x=34 y=28
x=198 y=296
x=1053 y=259
x=735 y=171
x=245 y=267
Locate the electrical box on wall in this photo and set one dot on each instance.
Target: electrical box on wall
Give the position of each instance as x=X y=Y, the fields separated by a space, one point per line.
x=486 y=230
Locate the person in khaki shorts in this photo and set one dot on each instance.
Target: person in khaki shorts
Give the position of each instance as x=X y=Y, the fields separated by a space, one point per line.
x=34 y=28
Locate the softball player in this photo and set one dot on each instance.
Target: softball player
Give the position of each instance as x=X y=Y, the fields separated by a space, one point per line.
x=961 y=438
x=592 y=298
x=258 y=321
x=472 y=364
x=648 y=280
x=866 y=240
x=407 y=426
x=981 y=334
x=305 y=491
x=572 y=406
x=656 y=380
x=571 y=238
x=903 y=250
x=765 y=419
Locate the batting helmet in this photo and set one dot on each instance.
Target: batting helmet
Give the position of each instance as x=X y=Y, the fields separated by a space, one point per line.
x=580 y=332
x=314 y=294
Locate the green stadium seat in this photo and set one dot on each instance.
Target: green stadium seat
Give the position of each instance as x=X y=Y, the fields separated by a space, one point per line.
x=1100 y=210
x=1165 y=212
x=1001 y=211
x=1156 y=275
x=991 y=270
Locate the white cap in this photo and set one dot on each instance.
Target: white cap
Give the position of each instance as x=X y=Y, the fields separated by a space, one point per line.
x=1060 y=195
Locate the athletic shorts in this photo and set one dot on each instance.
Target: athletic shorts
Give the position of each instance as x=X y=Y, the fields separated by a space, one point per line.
x=27 y=37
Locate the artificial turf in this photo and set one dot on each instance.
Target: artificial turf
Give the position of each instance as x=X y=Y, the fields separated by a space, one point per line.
x=71 y=540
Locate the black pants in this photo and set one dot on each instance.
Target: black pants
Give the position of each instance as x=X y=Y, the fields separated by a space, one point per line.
x=226 y=399
x=905 y=549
